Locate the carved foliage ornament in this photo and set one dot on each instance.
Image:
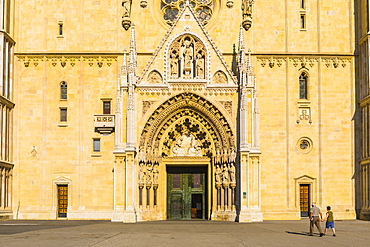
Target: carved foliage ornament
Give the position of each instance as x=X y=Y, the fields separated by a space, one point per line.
x=202 y=8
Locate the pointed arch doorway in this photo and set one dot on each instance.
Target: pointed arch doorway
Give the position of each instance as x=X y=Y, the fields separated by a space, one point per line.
x=181 y=145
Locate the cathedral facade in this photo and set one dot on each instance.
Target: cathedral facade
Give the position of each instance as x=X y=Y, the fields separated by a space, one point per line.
x=362 y=116
x=7 y=44
x=234 y=110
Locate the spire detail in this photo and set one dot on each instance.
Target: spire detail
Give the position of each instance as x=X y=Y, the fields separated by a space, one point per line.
x=249 y=65
x=133 y=54
x=242 y=60
x=123 y=73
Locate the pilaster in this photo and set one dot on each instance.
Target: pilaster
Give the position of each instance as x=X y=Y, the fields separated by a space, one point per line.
x=129 y=214
x=250 y=188
x=119 y=188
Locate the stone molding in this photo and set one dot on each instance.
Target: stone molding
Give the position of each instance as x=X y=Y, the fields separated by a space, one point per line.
x=57 y=60
x=304 y=61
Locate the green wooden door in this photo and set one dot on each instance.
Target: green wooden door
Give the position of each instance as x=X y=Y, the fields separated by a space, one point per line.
x=186 y=193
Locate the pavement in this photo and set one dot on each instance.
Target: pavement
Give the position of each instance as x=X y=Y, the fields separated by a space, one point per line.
x=178 y=233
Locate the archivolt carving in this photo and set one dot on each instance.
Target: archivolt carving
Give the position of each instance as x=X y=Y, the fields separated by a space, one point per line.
x=198 y=111
x=187 y=58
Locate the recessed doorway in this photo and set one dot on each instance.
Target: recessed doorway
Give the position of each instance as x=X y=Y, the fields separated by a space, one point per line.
x=186 y=193
x=62 y=200
x=304 y=199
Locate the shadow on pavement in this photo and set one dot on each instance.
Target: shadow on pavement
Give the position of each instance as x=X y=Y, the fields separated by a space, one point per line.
x=18 y=226
x=299 y=233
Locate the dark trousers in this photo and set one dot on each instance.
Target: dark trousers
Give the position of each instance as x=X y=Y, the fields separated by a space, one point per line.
x=315 y=221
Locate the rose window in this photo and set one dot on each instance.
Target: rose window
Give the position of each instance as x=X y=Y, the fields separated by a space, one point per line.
x=202 y=8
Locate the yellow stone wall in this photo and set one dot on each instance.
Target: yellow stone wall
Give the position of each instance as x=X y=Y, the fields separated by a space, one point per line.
x=93 y=32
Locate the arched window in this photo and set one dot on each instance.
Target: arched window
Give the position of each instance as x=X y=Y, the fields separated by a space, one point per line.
x=63 y=90
x=303 y=86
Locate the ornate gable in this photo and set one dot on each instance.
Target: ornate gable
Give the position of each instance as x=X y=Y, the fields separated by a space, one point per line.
x=188 y=54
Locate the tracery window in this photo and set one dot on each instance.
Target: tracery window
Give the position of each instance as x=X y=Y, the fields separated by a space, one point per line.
x=202 y=8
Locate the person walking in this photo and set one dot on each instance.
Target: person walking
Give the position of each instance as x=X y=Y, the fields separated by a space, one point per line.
x=315 y=219
x=329 y=221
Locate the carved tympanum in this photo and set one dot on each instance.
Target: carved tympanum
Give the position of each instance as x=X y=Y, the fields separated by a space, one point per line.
x=154 y=77
x=219 y=77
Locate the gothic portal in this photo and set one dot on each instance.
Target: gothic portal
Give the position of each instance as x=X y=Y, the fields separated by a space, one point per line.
x=185 y=164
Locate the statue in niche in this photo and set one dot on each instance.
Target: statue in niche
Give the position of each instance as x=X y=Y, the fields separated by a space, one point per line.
x=225 y=175
x=225 y=157
x=218 y=174
x=218 y=157
x=247 y=7
x=154 y=77
x=232 y=173
x=187 y=55
x=247 y=14
x=200 y=66
x=187 y=145
x=141 y=173
x=149 y=174
x=232 y=156
x=141 y=156
x=155 y=174
x=126 y=6
x=126 y=22
x=174 y=65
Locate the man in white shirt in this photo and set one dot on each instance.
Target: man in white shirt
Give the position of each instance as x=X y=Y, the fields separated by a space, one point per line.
x=315 y=219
